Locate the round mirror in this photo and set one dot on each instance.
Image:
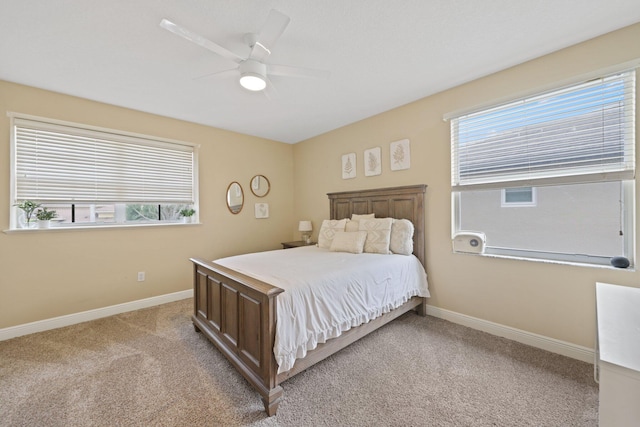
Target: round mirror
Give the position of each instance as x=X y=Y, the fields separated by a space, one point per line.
x=235 y=198
x=260 y=185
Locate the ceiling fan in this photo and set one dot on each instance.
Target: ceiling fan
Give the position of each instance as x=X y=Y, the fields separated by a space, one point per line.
x=253 y=70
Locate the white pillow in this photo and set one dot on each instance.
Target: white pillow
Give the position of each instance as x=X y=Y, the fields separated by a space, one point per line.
x=353 y=224
x=401 y=241
x=378 y=234
x=358 y=217
x=352 y=242
x=328 y=230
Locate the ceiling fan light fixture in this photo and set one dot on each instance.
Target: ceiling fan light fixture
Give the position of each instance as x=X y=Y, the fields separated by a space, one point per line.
x=252 y=68
x=252 y=82
x=253 y=75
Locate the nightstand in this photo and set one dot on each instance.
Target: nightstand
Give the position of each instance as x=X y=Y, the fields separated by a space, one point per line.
x=296 y=244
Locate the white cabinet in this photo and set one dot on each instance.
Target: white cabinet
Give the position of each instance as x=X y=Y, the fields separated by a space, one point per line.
x=618 y=314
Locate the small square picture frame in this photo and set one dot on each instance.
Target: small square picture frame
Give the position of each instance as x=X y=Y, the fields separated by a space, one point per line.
x=262 y=210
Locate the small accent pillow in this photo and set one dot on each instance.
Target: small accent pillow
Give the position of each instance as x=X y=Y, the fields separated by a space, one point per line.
x=378 y=234
x=401 y=241
x=353 y=224
x=352 y=242
x=328 y=230
x=358 y=217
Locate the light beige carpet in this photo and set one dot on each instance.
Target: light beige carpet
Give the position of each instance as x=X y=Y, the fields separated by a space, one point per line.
x=150 y=368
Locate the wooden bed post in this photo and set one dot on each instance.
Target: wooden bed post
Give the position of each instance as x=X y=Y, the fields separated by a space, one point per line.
x=272 y=400
x=422 y=308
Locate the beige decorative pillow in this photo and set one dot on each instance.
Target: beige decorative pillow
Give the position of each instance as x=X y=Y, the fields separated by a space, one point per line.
x=352 y=242
x=378 y=234
x=328 y=230
x=358 y=217
x=352 y=226
x=401 y=241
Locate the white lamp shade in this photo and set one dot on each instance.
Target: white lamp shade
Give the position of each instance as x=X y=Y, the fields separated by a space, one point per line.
x=304 y=226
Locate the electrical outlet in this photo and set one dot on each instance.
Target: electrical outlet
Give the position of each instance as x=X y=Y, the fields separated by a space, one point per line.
x=140 y=276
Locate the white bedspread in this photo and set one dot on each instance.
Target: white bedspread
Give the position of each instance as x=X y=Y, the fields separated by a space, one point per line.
x=327 y=293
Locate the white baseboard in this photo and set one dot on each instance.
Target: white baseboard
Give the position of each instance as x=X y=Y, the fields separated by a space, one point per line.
x=539 y=341
x=72 y=319
x=564 y=348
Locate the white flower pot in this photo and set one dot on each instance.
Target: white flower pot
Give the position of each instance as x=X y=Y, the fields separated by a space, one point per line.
x=44 y=223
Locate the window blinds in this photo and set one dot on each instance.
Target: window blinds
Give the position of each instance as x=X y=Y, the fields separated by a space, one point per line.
x=583 y=133
x=58 y=163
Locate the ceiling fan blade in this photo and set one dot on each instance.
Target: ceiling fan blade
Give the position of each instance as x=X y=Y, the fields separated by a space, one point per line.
x=223 y=73
x=270 y=33
x=270 y=91
x=199 y=40
x=287 y=71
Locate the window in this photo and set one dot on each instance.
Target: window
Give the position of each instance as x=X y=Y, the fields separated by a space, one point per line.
x=518 y=197
x=99 y=177
x=567 y=155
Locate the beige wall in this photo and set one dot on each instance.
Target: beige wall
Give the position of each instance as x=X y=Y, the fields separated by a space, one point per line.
x=553 y=300
x=49 y=274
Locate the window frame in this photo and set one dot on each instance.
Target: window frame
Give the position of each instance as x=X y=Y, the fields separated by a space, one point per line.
x=506 y=204
x=627 y=182
x=150 y=141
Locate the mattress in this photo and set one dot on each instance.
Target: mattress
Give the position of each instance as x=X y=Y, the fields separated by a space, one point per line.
x=327 y=293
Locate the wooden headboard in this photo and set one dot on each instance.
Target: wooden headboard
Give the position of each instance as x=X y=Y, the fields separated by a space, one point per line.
x=396 y=202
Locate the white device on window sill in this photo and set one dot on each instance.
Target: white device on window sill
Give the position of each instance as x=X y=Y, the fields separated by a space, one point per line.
x=472 y=242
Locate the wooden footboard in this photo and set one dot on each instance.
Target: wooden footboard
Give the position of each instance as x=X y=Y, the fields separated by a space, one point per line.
x=238 y=314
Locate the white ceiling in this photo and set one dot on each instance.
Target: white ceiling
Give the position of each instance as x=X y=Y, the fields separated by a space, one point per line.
x=381 y=53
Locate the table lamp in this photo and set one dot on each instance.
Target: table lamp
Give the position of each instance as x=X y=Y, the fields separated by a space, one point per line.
x=305 y=228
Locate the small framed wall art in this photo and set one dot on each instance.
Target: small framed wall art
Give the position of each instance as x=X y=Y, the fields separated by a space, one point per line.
x=349 y=166
x=372 y=162
x=400 y=155
x=262 y=210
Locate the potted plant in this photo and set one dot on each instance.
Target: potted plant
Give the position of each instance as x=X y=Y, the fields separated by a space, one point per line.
x=45 y=216
x=187 y=214
x=28 y=206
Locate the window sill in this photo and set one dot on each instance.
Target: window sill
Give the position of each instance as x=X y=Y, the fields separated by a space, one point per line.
x=549 y=261
x=56 y=229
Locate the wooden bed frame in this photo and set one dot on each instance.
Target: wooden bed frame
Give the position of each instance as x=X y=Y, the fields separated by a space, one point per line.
x=237 y=313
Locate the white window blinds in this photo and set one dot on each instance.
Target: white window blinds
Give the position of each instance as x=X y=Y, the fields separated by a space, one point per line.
x=583 y=133
x=60 y=163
